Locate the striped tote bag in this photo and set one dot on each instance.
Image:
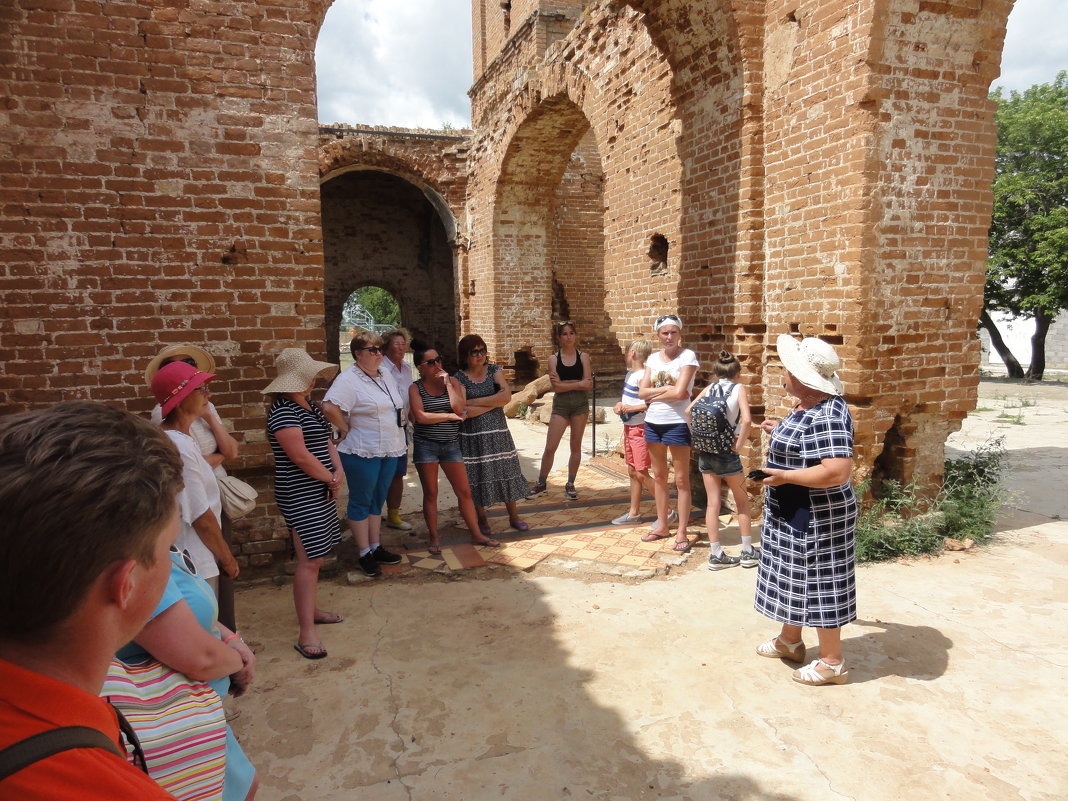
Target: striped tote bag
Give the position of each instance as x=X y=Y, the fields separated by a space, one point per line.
x=180 y=723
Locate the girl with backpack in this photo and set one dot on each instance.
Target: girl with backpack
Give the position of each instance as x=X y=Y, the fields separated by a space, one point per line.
x=719 y=426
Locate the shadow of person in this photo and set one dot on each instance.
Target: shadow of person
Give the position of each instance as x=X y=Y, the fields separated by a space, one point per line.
x=895 y=649
x=496 y=687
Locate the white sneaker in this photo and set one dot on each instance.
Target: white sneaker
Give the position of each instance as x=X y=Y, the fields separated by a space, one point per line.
x=626 y=519
x=401 y=526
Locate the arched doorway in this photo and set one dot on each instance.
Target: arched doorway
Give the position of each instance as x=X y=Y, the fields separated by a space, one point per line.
x=383 y=230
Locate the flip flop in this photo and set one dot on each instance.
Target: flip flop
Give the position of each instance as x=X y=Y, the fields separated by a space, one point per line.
x=651 y=537
x=522 y=525
x=435 y=550
x=681 y=547
x=488 y=543
x=485 y=528
x=305 y=650
x=328 y=619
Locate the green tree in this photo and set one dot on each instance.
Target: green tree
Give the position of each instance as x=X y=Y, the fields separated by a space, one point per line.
x=1027 y=268
x=376 y=301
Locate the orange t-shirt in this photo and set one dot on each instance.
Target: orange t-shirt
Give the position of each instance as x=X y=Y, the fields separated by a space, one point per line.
x=31 y=703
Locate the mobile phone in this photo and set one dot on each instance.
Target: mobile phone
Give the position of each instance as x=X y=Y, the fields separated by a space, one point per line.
x=758 y=475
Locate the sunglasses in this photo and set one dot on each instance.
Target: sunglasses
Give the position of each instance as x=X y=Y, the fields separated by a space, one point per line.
x=477 y=351
x=374 y=349
x=436 y=360
x=665 y=317
x=190 y=565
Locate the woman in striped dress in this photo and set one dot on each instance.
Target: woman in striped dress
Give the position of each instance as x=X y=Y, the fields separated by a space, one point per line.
x=807 y=558
x=307 y=475
x=438 y=405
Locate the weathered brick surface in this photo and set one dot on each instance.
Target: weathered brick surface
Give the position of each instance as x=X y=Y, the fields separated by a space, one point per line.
x=820 y=166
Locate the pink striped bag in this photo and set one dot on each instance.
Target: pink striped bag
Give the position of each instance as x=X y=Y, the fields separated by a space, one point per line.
x=180 y=723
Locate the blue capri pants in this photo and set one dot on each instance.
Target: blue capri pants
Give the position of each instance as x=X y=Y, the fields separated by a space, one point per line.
x=368 y=480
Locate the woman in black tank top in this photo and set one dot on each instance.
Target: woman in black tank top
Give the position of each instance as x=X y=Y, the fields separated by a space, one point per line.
x=438 y=405
x=571 y=378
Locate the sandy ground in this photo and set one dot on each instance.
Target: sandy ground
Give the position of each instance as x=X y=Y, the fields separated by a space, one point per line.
x=490 y=683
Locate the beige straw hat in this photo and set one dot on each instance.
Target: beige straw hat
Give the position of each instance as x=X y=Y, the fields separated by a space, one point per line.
x=811 y=361
x=296 y=370
x=205 y=362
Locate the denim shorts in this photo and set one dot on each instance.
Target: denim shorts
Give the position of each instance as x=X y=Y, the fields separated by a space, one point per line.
x=722 y=464
x=428 y=451
x=668 y=433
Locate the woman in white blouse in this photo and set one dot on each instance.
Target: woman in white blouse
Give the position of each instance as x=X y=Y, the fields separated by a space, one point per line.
x=367 y=408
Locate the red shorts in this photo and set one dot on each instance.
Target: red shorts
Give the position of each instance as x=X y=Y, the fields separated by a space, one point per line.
x=637 y=452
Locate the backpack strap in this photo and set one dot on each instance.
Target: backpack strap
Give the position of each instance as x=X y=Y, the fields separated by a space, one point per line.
x=48 y=743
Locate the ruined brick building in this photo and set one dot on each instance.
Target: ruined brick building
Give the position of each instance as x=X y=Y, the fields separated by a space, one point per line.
x=763 y=166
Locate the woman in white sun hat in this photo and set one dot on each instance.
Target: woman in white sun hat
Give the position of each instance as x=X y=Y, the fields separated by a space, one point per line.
x=807 y=559
x=307 y=476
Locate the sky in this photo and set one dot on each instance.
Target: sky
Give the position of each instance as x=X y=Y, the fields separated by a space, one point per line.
x=408 y=63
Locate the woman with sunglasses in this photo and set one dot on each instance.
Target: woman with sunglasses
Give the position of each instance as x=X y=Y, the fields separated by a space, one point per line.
x=367 y=408
x=490 y=457
x=666 y=388
x=438 y=405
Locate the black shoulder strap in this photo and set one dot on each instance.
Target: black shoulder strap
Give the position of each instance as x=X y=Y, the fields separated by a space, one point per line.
x=48 y=743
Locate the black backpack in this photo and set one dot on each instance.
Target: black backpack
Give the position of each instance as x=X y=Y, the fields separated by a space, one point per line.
x=710 y=429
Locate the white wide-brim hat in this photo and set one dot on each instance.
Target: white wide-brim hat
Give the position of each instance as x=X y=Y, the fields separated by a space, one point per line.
x=811 y=361
x=205 y=362
x=296 y=371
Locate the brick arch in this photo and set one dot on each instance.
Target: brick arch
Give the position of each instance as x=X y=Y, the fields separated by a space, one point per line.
x=576 y=92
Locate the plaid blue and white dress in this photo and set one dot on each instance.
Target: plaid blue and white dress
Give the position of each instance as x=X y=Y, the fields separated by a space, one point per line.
x=807 y=574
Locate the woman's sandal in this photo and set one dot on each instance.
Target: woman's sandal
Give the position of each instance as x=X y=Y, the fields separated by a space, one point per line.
x=487 y=543
x=819 y=672
x=652 y=536
x=435 y=550
x=326 y=618
x=777 y=649
x=682 y=546
x=522 y=525
x=311 y=650
x=485 y=528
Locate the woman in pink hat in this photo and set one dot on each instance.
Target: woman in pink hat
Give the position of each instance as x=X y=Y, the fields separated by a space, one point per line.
x=182 y=394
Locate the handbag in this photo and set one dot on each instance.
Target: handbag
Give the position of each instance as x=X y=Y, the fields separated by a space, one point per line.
x=238 y=497
x=179 y=722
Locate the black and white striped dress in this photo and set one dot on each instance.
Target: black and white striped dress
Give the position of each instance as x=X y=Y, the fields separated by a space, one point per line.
x=304 y=502
x=807 y=574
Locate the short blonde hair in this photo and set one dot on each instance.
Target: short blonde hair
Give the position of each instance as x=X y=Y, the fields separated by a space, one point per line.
x=362 y=338
x=642 y=347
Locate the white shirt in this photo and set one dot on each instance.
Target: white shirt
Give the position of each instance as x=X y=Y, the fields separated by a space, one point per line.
x=665 y=373
x=200 y=493
x=402 y=375
x=371 y=405
x=201 y=433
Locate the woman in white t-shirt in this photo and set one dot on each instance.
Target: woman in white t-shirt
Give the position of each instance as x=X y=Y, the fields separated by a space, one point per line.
x=666 y=388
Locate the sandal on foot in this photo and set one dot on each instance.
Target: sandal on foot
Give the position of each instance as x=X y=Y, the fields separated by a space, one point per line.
x=485 y=528
x=682 y=546
x=327 y=618
x=488 y=543
x=310 y=650
x=652 y=536
x=819 y=672
x=777 y=649
x=435 y=550
x=522 y=525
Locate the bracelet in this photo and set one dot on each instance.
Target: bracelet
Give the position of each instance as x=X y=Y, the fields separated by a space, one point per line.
x=226 y=641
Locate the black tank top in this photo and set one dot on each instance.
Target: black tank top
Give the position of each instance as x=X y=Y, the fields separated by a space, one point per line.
x=573 y=373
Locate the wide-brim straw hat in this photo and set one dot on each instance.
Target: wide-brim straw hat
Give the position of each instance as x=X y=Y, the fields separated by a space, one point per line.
x=296 y=371
x=811 y=361
x=175 y=382
x=204 y=360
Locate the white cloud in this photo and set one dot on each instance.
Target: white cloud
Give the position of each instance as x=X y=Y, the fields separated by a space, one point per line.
x=383 y=62
x=1036 y=47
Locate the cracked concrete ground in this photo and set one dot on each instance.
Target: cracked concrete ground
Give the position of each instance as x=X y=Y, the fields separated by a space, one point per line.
x=495 y=684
